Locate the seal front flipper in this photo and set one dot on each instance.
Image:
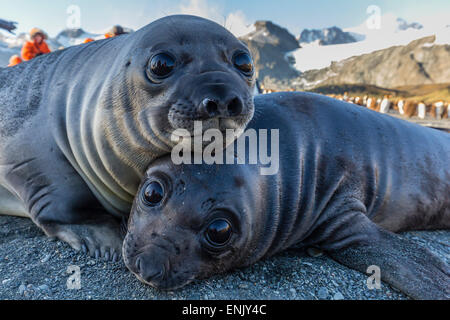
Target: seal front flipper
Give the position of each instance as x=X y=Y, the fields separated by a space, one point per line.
x=100 y=237
x=358 y=243
x=60 y=203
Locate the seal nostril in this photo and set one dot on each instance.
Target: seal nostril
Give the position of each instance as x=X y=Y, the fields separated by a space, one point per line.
x=235 y=107
x=153 y=274
x=210 y=106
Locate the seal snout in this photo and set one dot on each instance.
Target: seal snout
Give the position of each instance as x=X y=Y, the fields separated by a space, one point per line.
x=149 y=269
x=212 y=107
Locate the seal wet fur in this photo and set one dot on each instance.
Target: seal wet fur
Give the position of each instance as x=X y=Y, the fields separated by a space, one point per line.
x=348 y=179
x=79 y=127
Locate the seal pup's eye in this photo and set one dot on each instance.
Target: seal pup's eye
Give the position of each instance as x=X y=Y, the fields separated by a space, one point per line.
x=218 y=232
x=153 y=193
x=243 y=62
x=161 y=65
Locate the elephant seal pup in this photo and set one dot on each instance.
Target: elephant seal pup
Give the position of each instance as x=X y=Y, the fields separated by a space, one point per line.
x=79 y=127
x=348 y=177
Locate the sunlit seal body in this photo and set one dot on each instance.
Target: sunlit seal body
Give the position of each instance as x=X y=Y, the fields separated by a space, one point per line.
x=347 y=178
x=79 y=127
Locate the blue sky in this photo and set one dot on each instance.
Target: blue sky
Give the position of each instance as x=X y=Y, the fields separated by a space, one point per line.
x=99 y=15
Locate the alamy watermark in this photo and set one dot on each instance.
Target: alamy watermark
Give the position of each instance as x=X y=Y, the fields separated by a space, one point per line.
x=74 y=17
x=74 y=280
x=374 y=281
x=374 y=20
x=208 y=147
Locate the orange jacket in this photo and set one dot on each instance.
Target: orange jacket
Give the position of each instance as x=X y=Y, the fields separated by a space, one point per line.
x=14 y=60
x=87 y=40
x=31 y=49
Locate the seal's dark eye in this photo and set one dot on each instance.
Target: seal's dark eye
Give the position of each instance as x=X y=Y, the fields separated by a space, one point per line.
x=162 y=64
x=243 y=62
x=218 y=232
x=153 y=193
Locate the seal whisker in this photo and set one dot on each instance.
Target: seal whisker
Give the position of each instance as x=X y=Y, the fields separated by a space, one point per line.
x=123 y=226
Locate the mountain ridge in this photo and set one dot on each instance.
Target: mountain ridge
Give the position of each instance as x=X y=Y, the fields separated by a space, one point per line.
x=326 y=36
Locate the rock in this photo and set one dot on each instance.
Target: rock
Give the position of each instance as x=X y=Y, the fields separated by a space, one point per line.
x=8 y=25
x=43 y=287
x=22 y=289
x=322 y=293
x=338 y=296
x=314 y=252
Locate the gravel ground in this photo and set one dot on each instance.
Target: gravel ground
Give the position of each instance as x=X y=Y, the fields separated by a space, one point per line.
x=34 y=267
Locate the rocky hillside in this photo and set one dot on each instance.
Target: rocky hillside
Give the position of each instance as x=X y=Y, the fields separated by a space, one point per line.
x=420 y=62
x=427 y=93
x=270 y=45
x=327 y=36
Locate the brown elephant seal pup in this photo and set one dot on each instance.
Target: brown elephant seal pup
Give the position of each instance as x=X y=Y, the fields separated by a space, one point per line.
x=348 y=178
x=79 y=127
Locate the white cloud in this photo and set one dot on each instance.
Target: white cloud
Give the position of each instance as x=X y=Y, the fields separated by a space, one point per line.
x=200 y=8
x=236 y=22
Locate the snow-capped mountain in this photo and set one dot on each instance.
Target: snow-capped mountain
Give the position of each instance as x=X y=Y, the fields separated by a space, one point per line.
x=270 y=44
x=403 y=25
x=73 y=37
x=268 y=32
x=393 y=31
x=325 y=37
x=420 y=62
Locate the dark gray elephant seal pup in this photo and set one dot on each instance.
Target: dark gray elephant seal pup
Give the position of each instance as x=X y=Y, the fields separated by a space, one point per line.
x=79 y=127
x=348 y=177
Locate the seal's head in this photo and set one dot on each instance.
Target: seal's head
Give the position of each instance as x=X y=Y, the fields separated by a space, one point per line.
x=192 y=221
x=181 y=69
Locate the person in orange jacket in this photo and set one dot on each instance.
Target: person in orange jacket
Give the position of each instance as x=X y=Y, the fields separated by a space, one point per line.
x=87 y=40
x=37 y=46
x=14 y=60
x=114 y=32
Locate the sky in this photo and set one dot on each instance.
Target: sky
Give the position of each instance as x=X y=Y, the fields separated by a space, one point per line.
x=97 y=16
